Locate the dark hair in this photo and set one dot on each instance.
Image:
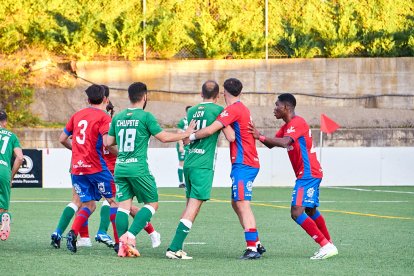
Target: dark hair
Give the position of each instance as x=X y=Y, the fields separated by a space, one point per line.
x=287 y=98
x=136 y=91
x=106 y=88
x=3 y=115
x=95 y=94
x=187 y=108
x=233 y=86
x=210 y=89
x=110 y=108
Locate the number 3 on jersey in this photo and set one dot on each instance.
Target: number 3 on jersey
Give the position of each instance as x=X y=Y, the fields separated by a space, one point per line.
x=127 y=144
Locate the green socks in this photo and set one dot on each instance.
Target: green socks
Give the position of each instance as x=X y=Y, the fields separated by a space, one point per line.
x=66 y=217
x=141 y=218
x=181 y=233
x=121 y=221
x=105 y=220
x=180 y=175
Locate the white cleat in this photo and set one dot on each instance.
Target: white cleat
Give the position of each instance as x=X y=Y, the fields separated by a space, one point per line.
x=155 y=239
x=84 y=242
x=177 y=255
x=325 y=252
x=5 y=227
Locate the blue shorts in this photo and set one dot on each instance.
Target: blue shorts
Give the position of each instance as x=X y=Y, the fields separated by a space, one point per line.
x=242 y=177
x=306 y=192
x=93 y=186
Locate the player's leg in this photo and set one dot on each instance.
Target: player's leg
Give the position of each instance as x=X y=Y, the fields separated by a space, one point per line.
x=68 y=213
x=243 y=177
x=107 y=216
x=180 y=171
x=149 y=228
x=303 y=197
x=5 y=217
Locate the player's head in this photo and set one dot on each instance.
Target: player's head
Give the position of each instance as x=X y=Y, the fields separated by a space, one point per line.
x=109 y=106
x=233 y=86
x=3 y=118
x=138 y=92
x=95 y=94
x=106 y=92
x=284 y=105
x=210 y=90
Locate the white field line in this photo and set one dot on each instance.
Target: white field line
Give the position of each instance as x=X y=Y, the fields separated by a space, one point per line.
x=368 y=190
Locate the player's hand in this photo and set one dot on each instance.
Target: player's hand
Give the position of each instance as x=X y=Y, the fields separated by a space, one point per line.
x=181 y=149
x=186 y=141
x=191 y=127
x=253 y=130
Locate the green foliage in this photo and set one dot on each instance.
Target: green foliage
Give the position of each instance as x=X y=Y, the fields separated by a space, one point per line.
x=16 y=96
x=208 y=29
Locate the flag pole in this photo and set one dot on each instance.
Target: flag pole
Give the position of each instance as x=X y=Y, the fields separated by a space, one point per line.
x=320 y=147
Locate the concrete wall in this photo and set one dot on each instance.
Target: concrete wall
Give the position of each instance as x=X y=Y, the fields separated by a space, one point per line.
x=342 y=167
x=348 y=77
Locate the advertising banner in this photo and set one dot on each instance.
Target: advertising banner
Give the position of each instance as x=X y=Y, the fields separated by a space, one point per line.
x=30 y=174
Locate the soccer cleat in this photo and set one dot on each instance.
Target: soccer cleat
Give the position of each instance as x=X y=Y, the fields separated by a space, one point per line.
x=56 y=238
x=84 y=242
x=127 y=247
x=104 y=238
x=155 y=239
x=5 y=227
x=250 y=255
x=325 y=252
x=182 y=185
x=71 y=241
x=180 y=254
x=261 y=249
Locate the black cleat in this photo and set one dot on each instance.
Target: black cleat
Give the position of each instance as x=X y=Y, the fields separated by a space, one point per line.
x=56 y=238
x=182 y=185
x=261 y=249
x=250 y=255
x=71 y=241
x=116 y=247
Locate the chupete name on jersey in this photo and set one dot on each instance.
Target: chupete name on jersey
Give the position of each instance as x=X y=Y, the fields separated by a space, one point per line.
x=127 y=123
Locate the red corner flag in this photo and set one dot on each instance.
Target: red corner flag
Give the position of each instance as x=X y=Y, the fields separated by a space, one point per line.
x=327 y=125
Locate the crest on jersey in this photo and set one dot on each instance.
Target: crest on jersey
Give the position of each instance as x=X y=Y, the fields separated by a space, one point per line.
x=249 y=186
x=290 y=130
x=101 y=187
x=224 y=114
x=310 y=192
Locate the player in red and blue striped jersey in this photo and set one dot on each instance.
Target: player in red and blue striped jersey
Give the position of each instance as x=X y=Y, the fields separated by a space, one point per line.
x=244 y=159
x=296 y=137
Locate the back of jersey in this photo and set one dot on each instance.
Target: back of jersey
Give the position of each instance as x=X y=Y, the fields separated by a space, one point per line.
x=202 y=153
x=132 y=129
x=87 y=128
x=8 y=142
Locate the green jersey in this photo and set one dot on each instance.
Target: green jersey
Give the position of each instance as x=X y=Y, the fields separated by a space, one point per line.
x=202 y=153
x=132 y=129
x=8 y=142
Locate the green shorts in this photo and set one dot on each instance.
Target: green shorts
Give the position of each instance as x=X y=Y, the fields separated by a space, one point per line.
x=198 y=183
x=181 y=155
x=142 y=187
x=5 y=190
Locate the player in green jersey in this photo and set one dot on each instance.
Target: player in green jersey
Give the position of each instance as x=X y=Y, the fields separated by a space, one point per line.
x=131 y=130
x=181 y=149
x=9 y=146
x=199 y=165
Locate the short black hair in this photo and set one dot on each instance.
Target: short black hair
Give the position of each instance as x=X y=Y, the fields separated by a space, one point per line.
x=136 y=91
x=233 y=86
x=95 y=94
x=287 y=98
x=187 y=108
x=210 y=89
x=106 y=88
x=3 y=116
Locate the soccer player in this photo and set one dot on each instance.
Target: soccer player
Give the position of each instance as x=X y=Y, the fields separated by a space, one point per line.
x=245 y=162
x=181 y=149
x=295 y=136
x=131 y=130
x=91 y=178
x=9 y=146
x=199 y=166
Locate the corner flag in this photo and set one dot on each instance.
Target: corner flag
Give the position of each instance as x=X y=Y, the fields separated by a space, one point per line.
x=327 y=125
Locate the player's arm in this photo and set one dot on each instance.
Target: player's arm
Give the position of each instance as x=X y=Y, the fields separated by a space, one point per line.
x=110 y=144
x=18 y=154
x=166 y=137
x=65 y=141
x=270 y=142
x=180 y=142
x=207 y=131
x=229 y=133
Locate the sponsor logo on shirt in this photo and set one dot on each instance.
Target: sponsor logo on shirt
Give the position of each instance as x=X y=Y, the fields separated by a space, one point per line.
x=81 y=164
x=224 y=114
x=3 y=163
x=197 y=151
x=126 y=161
x=290 y=130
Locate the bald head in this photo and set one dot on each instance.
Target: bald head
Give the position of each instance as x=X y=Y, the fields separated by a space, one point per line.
x=210 y=89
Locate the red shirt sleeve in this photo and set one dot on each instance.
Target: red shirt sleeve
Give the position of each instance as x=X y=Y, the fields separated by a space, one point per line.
x=106 y=122
x=295 y=129
x=228 y=115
